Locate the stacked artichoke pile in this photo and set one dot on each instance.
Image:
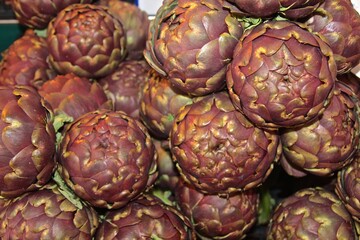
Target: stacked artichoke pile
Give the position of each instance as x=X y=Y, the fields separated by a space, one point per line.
x=217 y=119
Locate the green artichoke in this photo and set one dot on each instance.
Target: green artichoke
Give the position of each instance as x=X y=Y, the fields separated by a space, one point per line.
x=74 y=96
x=282 y=75
x=333 y=137
x=160 y=103
x=124 y=86
x=46 y=214
x=339 y=22
x=311 y=213
x=145 y=218
x=107 y=158
x=87 y=40
x=38 y=13
x=214 y=217
x=27 y=141
x=218 y=150
x=136 y=25
x=191 y=43
x=24 y=62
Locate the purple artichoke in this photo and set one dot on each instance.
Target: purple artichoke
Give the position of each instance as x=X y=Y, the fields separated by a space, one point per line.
x=107 y=158
x=27 y=143
x=218 y=150
x=86 y=40
x=145 y=218
x=214 y=217
x=282 y=75
x=191 y=43
x=124 y=86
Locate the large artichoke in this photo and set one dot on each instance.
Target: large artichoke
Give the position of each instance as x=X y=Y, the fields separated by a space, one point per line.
x=160 y=103
x=124 y=86
x=46 y=214
x=214 y=217
x=328 y=143
x=311 y=213
x=38 y=13
x=145 y=218
x=74 y=96
x=25 y=62
x=218 y=150
x=27 y=142
x=282 y=75
x=87 y=40
x=339 y=23
x=191 y=42
x=136 y=24
x=107 y=158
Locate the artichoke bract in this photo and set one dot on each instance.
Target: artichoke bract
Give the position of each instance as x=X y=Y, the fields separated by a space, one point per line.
x=46 y=214
x=24 y=62
x=160 y=103
x=218 y=150
x=27 y=141
x=87 y=40
x=281 y=75
x=339 y=23
x=191 y=43
x=136 y=24
x=107 y=158
x=214 y=217
x=38 y=13
x=311 y=213
x=74 y=96
x=333 y=136
x=124 y=86
x=145 y=218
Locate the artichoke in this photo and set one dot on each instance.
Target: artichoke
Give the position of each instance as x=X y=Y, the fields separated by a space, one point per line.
x=191 y=43
x=214 y=217
x=334 y=137
x=124 y=86
x=74 y=96
x=339 y=23
x=282 y=75
x=136 y=25
x=311 y=213
x=38 y=13
x=107 y=158
x=86 y=40
x=218 y=150
x=145 y=218
x=24 y=62
x=46 y=214
x=160 y=103
x=27 y=141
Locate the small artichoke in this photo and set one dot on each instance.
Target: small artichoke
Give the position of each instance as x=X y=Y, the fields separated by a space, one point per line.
x=214 y=217
x=124 y=86
x=328 y=143
x=281 y=75
x=339 y=23
x=107 y=158
x=160 y=103
x=145 y=218
x=218 y=150
x=311 y=213
x=191 y=43
x=87 y=40
x=38 y=13
x=24 y=62
x=74 y=96
x=136 y=24
x=46 y=214
x=27 y=141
